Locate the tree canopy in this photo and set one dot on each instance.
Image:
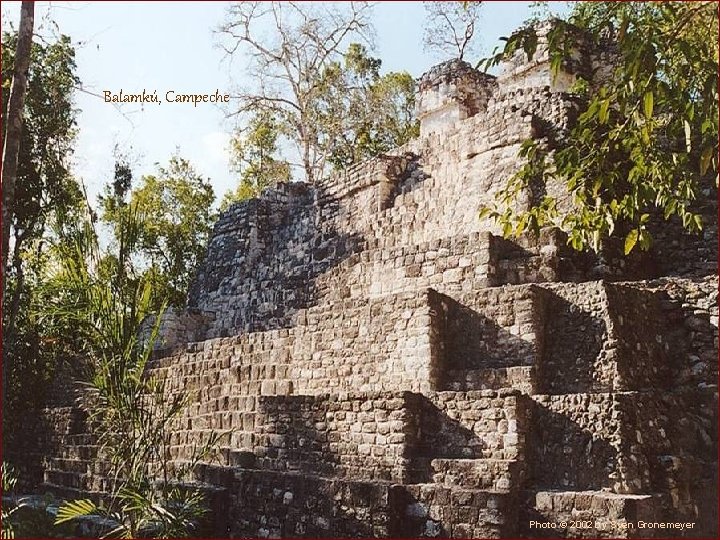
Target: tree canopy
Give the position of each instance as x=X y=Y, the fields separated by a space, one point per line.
x=254 y=155
x=174 y=216
x=364 y=113
x=317 y=90
x=44 y=205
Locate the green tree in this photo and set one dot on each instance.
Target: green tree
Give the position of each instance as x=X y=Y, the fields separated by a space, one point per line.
x=130 y=411
x=322 y=90
x=288 y=64
x=646 y=140
x=13 y=118
x=363 y=113
x=175 y=212
x=46 y=201
x=254 y=158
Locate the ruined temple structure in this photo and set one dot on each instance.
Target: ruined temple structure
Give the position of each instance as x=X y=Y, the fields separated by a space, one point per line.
x=389 y=365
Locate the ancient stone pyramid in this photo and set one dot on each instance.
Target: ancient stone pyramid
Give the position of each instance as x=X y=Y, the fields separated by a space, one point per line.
x=390 y=366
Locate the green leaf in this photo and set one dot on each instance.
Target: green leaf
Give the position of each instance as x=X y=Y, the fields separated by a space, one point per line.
x=577 y=243
x=705 y=159
x=630 y=241
x=645 y=135
x=686 y=218
x=555 y=65
x=688 y=144
x=74 y=509
x=670 y=209
x=698 y=222
x=648 y=104
x=645 y=240
x=507 y=230
x=484 y=212
x=603 y=113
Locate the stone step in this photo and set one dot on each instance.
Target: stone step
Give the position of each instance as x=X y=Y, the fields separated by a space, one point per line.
x=89 y=466
x=79 y=451
x=69 y=465
x=450 y=511
x=518 y=377
x=74 y=480
x=79 y=439
x=453 y=264
x=595 y=514
x=62 y=491
x=333 y=347
x=81 y=481
x=477 y=424
x=493 y=474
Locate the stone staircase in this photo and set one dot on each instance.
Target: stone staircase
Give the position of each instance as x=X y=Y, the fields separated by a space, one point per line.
x=520 y=377
x=493 y=448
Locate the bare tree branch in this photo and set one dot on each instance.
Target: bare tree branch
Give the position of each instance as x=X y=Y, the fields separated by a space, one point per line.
x=288 y=65
x=450 y=27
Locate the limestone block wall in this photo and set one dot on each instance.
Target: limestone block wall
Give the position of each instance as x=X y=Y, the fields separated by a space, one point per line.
x=451 y=264
x=458 y=170
x=359 y=436
x=270 y=256
x=669 y=330
x=615 y=514
x=450 y=92
x=262 y=260
x=288 y=503
x=680 y=449
x=325 y=355
x=691 y=308
x=365 y=231
x=226 y=376
x=628 y=336
x=492 y=338
x=582 y=445
x=271 y=504
x=629 y=442
x=177 y=327
x=475 y=424
x=520 y=71
x=437 y=510
x=585 y=441
x=677 y=252
x=45 y=434
x=640 y=332
x=581 y=346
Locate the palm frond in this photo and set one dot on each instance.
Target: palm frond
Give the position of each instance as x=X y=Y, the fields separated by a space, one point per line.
x=72 y=510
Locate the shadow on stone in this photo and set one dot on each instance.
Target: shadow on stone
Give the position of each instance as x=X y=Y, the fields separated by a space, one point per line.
x=565 y=455
x=574 y=340
x=266 y=254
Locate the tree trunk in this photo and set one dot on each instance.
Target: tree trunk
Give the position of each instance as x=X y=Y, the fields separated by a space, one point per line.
x=14 y=119
x=13 y=132
x=9 y=330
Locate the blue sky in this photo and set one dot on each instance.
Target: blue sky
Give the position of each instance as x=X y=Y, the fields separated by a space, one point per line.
x=172 y=46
